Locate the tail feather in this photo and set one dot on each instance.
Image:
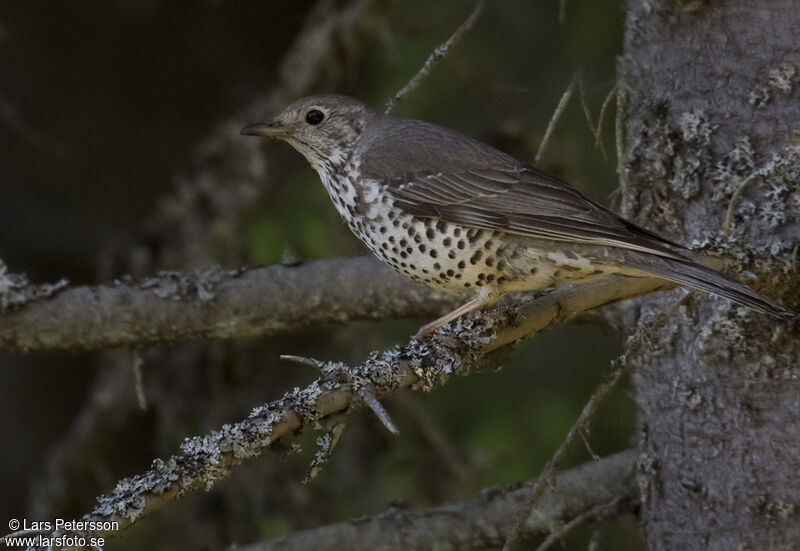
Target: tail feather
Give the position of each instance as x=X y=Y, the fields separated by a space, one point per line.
x=699 y=277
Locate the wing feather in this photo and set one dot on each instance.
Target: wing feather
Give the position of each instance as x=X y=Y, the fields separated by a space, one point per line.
x=460 y=180
x=525 y=202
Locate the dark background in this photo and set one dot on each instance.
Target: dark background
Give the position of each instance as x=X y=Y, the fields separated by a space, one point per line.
x=102 y=107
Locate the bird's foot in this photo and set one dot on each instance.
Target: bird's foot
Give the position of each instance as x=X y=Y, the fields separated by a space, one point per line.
x=486 y=295
x=428 y=329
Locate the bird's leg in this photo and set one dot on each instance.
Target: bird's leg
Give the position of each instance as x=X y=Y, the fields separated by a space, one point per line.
x=486 y=296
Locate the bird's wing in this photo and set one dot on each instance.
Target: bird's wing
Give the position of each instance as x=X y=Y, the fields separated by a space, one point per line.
x=522 y=200
x=435 y=172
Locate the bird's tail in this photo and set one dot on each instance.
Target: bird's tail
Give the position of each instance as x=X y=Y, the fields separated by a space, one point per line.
x=696 y=276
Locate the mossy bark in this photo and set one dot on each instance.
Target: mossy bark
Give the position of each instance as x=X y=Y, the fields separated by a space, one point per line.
x=711 y=96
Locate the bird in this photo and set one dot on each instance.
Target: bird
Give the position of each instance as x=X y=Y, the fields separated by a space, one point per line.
x=463 y=217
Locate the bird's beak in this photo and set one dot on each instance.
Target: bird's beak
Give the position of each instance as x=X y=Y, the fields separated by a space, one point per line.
x=272 y=129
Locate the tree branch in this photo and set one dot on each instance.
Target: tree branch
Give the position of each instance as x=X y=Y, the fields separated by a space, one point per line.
x=222 y=304
x=420 y=364
x=483 y=522
x=215 y=304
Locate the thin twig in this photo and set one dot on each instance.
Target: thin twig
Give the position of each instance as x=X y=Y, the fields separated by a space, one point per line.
x=737 y=193
x=378 y=409
x=436 y=56
x=562 y=105
x=598 y=142
x=136 y=367
x=554 y=537
x=594 y=541
x=363 y=392
x=586 y=111
x=577 y=521
x=619 y=136
x=303 y=361
x=436 y=437
x=618 y=368
x=588 y=446
x=10 y=116
x=562 y=11
x=326 y=442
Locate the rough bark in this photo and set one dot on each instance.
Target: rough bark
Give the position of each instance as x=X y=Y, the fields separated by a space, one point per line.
x=712 y=96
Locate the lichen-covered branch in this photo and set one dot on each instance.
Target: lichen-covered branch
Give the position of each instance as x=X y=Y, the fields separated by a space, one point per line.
x=16 y=291
x=596 y=489
x=420 y=364
x=217 y=303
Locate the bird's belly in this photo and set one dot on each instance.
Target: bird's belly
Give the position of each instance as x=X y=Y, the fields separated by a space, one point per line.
x=457 y=259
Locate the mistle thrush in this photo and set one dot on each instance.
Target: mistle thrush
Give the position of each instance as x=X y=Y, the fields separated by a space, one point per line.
x=461 y=216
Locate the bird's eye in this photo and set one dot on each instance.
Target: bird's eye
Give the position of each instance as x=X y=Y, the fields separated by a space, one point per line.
x=314 y=116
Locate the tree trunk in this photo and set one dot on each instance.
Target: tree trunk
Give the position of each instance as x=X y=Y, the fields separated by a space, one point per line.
x=712 y=105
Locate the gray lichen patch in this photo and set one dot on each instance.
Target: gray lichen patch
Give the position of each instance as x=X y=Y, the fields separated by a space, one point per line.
x=129 y=498
x=673 y=158
x=304 y=402
x=201 y=285
x=674 y=161
x=688 y=165
x=125 y=501
x=724 y=325
x=759 y=97
x=652 y=146
x=677 y=158
x=201 y=463
x=773 y=198
x=781 y=78
x=326 y=442
x=733 y=169
x=695 y=127
x=779 y=510
x=16 y=290
x=744 y=340
x=690 y=396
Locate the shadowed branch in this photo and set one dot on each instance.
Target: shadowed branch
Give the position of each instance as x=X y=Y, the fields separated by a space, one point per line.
x=598 y=489
x=216 y=304
x=222 y=304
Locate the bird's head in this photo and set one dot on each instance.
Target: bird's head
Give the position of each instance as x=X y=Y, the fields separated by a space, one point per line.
x=322 y=127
